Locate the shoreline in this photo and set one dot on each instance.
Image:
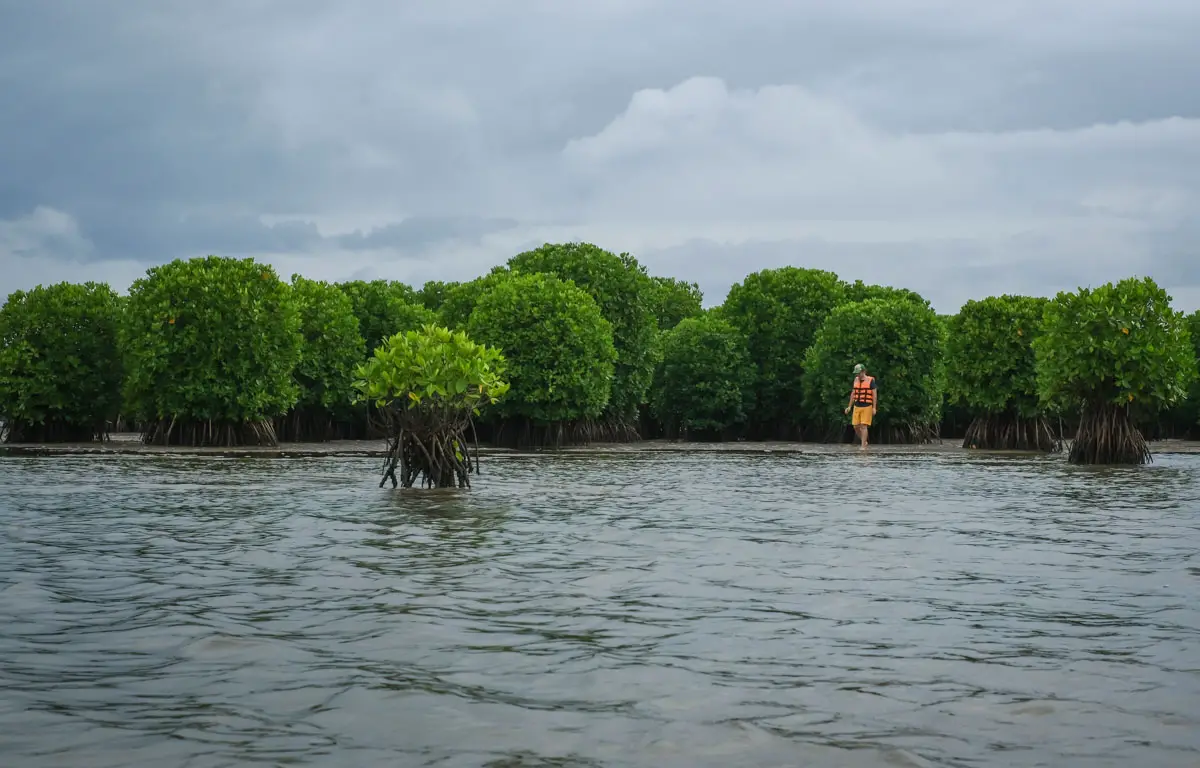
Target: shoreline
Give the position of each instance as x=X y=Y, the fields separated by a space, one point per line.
x=128 y=444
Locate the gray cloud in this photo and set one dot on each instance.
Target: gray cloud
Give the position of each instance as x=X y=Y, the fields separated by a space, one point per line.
x=1038 y=145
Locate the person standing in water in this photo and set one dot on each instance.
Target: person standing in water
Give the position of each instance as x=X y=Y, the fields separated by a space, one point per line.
x=864 y=400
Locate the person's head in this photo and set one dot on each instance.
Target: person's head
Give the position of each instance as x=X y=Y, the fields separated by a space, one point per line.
x=860 y=371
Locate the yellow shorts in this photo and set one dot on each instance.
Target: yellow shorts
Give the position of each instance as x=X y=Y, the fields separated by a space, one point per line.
x=861 y=415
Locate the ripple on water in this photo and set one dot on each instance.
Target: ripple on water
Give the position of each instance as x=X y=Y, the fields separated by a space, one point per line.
x=601 y=610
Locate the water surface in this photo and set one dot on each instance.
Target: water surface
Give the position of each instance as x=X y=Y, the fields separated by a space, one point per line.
x=655 y=609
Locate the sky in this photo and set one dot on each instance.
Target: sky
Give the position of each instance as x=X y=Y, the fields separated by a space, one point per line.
x=1018 y=147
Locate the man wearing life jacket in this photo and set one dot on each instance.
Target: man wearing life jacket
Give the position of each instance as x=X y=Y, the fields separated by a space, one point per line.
x=864 y=399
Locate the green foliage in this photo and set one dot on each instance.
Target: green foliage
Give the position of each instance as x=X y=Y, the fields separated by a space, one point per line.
x=460 y=299
x=1189 y=410
x=674 y=300
x=558 y=346
x=332 y=346
x=384 y=308
x=780 y=311
x=1119 y=344
x=860 y=291
x=900 y=343
x=427 y=384
x=60 y=367
x=433 y=374
x=626 y=297
x=211 y=339
x=705 y=380
x=433 y=294
x=989 y=355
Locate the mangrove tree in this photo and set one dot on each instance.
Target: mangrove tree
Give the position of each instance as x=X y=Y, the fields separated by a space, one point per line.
x=60 y=366
x=427 y=385
x=1114 y=353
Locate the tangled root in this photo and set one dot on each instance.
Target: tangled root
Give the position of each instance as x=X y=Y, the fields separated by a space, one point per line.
x=223 y=434
x=1108 y=435
x=1009 y=432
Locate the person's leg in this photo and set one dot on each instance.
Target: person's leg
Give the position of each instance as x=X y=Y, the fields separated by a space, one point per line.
x=863 y=426
x=859 y=427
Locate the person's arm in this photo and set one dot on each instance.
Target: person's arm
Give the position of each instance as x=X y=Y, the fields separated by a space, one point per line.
x=875 y=397
x=850 y=403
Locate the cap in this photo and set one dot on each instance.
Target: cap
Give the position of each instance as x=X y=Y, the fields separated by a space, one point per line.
x=859 y=367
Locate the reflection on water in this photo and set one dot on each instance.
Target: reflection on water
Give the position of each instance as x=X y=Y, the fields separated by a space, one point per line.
x=591 y=610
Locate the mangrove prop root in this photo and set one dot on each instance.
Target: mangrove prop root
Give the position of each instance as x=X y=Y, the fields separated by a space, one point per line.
x=429 y=452
x=219 y=434
x=1009 y=432
x=308 y=425
x=521 y=433
x=1108 y=435
x=52 y=431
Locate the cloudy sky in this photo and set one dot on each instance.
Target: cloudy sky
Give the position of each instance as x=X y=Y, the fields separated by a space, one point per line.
x=1023 y=146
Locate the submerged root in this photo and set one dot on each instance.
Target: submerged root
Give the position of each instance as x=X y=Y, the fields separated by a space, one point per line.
x=222 y=434
x=1108 y=435
x=436 y=458
x=1009 y=432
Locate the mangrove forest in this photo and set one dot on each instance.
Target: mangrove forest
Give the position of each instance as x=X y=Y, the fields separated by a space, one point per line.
x=570 y=344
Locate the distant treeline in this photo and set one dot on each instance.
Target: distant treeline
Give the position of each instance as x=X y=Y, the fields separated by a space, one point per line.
x=221 y=351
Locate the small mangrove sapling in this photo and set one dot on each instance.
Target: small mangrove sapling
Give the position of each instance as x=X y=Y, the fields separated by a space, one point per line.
x=427 y=386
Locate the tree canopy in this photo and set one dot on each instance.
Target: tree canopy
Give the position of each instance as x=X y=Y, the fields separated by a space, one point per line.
x=674 y=300
x=705 y=380
x=989 y=354
x=331 y=347
x=211 y=345
x=60 y=366
x=1120 y=343
x=1113 y=353
x=557 y=345
x=900 y=343
x=384 y=308
x=626 y=297
x=780 y=312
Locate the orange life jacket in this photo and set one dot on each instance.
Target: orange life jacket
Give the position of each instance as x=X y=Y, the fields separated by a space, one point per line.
x=863 y=394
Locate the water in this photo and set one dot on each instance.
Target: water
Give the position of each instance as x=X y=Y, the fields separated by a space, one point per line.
x=589 y=610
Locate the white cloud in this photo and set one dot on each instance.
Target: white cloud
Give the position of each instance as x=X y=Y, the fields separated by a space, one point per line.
x=45 y=232
x=1038 y=144
x=733 y=168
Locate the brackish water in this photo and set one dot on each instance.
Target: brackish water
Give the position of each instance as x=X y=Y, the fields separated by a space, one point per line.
x=733 y=610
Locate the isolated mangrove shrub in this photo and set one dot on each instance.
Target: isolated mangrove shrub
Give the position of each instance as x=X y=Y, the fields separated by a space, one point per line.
x=1114 y=354
x=780 y=311
x=704 y=384
x=900 y=343
x=993 y=373
x=60 y=366
x=331 y=347
x=626 y=298
x=211 y=346
x=384 y=308
x=559 y=352
x=427 y=385
x=673 y=300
